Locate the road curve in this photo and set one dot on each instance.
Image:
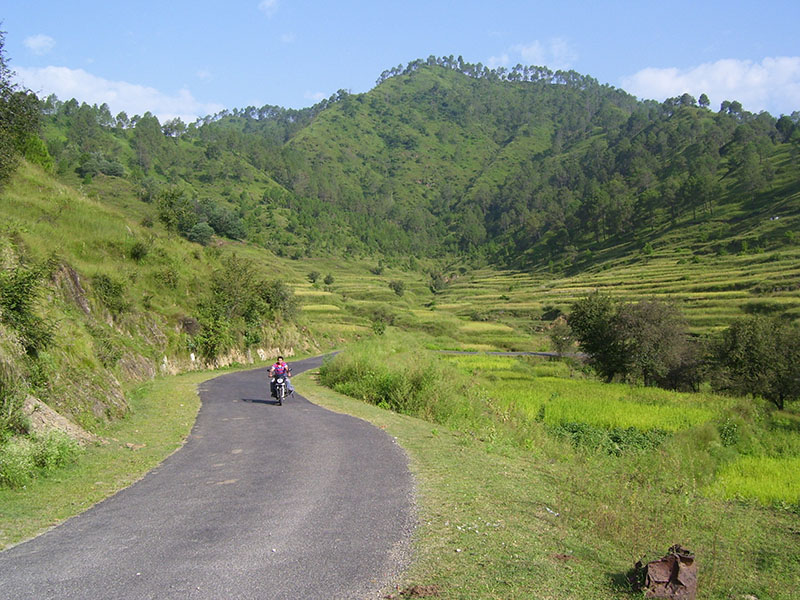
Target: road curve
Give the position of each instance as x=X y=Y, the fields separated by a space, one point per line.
x=263 y=501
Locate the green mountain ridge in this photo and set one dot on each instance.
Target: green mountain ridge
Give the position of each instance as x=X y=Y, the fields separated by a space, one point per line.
x=526 y=168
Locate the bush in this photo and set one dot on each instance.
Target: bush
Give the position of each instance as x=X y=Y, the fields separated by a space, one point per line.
x=54 y=450
x=22 y=459
x=239 y=302
x=215 y=334
x=19 y=290
x=95 y=163
x=561 y=337
x=398 y=287
x=614 y=441
x=138 y=251
x=201 y=233
x=12 y=418
x=592 y=323
x=20 y=115
x=17 y=465
x=110 y=292
x=390 y=373
x=35 y=152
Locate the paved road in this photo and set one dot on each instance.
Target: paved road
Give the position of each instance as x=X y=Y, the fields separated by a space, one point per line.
x=263 y=501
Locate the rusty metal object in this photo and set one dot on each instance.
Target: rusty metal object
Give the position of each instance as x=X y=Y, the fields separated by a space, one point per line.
x=674 y=576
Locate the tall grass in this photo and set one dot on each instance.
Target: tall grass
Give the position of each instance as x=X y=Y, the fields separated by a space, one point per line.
x=395 y=372
x=24 y=458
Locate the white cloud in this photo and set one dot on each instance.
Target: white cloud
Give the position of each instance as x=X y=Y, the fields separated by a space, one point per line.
x=314 y=96
x=532 y=54
x=498 y=61
x=39 y=44
x=288 y=38
x=268 y=7
x=132 y=98
x=555 y=54
x=772 y=85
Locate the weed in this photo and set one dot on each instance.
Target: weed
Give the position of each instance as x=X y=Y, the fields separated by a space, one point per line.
x=16 y=463
x=110 y=292
x=22 y=459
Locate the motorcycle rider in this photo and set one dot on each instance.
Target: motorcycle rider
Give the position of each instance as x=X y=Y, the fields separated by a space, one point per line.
x=280 y=368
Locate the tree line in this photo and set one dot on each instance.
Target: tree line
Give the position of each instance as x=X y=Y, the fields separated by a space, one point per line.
x=648 y=342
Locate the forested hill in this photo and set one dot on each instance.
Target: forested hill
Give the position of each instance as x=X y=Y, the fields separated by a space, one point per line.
x=523 y=167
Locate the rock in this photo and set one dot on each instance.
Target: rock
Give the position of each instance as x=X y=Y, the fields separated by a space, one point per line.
x=674 y=576
x=44 y=419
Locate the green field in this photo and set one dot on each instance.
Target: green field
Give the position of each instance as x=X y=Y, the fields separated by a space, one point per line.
x=557 y=400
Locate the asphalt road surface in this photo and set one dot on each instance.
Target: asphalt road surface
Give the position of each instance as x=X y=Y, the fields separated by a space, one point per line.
x=263 y=501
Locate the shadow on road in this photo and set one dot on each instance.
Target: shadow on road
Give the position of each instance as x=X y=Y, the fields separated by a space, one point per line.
x=271 y=402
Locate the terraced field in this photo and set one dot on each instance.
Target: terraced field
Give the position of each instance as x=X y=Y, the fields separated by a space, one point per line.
x=489 y=309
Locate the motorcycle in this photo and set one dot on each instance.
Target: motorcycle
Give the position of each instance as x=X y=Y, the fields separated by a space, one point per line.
x=280 y=388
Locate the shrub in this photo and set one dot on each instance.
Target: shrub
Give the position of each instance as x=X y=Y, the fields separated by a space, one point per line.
x=280 y=298
x=111 y=293
x=22 y=459
x=16 y=463
x=388 y=371
x=94 y=163
x=614 y=441
x=106 y=347
x=201 y=233
x=35 y=151
x=54 y=450
x=398 y=287
x=19 y=290
x=138 y=251
x=20 y=115
x=561 y=337
x=592 y=323
x=12 y=418
x=238 y=302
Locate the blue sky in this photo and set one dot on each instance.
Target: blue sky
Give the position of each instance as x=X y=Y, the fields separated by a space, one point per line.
x=193 y=58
